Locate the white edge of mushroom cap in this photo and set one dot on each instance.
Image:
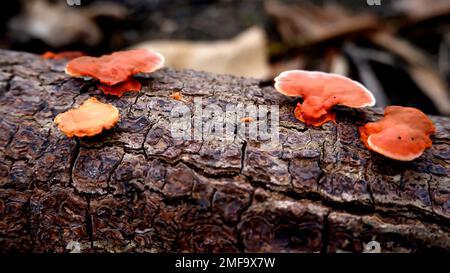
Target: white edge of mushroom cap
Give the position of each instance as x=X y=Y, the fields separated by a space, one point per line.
x=392 y=155
x=69 y=73
x=317 y=73
x=157 y=66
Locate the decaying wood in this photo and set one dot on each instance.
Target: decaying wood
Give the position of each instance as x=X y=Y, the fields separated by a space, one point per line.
x=135 y=188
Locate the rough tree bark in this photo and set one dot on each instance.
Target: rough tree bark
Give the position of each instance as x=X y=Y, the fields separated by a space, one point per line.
x=135 y=188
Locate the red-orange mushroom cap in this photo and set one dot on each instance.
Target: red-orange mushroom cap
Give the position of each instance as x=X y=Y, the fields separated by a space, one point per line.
x=116 y=67
x=402 y=134
x=320 y=92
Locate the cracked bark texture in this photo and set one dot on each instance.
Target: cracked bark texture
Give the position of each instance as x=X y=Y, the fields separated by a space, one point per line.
x=135 y=188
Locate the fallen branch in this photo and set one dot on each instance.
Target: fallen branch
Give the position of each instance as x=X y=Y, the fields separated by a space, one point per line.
x=136 y=188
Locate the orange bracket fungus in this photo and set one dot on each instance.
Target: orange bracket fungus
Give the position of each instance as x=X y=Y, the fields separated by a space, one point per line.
x=89 y=119
x=68 y=55
x=321 y=91
x=403 y=134
x=120 y=88
x=115 y=72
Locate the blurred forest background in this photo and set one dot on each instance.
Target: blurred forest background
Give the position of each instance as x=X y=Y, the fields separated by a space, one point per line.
x=399 y=49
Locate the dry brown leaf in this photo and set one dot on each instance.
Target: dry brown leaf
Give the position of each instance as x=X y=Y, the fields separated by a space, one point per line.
x=244 y=55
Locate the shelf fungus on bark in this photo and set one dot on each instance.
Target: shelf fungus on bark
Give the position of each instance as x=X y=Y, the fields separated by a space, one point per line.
x=122 y=87
x=320 y=92
x=90 y=119
x=115 y=71
x=402 y=134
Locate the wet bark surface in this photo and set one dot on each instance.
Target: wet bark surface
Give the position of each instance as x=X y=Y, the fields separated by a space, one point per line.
x=136 y=188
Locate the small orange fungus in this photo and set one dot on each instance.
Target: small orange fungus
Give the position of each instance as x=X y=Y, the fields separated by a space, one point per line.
x=90 y=119
x=177 y=96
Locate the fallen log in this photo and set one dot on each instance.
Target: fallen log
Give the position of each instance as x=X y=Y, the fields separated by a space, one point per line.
x=136 y=188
